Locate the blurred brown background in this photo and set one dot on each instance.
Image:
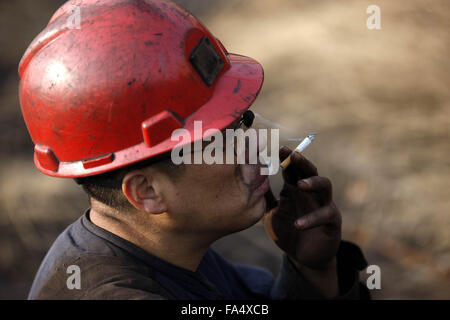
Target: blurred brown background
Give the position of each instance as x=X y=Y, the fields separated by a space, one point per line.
x=378 y=99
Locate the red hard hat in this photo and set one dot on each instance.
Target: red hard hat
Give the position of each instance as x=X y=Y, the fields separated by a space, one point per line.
x=110 y=93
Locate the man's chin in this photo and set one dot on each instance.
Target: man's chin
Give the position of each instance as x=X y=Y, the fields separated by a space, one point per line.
x=251 y=216
x=258 y=210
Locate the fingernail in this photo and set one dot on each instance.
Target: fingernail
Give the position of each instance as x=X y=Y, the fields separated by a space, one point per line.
x=306 y=181
x=299 y=224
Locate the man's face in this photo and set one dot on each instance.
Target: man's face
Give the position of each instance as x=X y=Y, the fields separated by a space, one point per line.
x=216 y=199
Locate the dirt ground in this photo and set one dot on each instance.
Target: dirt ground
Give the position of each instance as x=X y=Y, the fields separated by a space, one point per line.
x=379 y=101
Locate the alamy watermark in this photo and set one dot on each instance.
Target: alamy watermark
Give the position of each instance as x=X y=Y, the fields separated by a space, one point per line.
x=237 y=147
x=373 y=22
x=74 y=19
x=74 y=280
x=374 y=280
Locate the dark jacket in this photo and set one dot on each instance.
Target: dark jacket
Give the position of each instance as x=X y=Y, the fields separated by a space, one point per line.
x=113 y=268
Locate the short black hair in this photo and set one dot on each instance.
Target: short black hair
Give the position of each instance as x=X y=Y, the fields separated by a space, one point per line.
x=107 y=187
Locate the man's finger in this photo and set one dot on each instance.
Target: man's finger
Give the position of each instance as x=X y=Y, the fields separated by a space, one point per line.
x=299 y=168
x=284 y=153
x=323 y=216
x=319 y=185
x=302 y=164
x=289 y=174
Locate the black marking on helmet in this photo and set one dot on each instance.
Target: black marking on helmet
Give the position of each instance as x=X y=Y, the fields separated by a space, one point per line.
x=206 y=61
x=247 y=118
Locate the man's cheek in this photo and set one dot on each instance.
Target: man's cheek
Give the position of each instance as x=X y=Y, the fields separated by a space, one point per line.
x=249 y=173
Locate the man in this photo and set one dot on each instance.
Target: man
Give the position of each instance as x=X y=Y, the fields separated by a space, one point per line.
x=101 y=102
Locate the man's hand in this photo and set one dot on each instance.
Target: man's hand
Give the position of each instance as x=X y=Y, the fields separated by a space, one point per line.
x=305 y=222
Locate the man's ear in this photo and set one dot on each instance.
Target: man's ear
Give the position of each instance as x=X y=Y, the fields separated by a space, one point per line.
x=139 y=189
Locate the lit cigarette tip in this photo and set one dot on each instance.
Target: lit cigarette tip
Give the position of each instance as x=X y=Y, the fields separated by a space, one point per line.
x=312 y=136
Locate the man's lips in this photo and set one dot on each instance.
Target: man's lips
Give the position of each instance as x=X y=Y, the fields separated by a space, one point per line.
x=262 y=186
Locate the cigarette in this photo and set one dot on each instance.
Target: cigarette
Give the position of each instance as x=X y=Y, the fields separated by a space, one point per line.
x=300 y=148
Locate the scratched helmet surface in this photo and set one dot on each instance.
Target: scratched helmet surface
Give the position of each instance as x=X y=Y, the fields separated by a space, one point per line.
x=111 y=92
